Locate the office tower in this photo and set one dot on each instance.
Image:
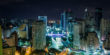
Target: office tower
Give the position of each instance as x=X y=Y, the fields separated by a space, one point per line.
x=1 y=52
x=70 y=27
x=66 y=16
x=83 y=43
x=6 y=33
x=89 y=21
x=76 y=35
x=106 y=42
x=23 y=31
x=43 y=18
x=86 y=14
x=104 y=28
x=92 y=41
x=9 y=51
x=82 y=23
x=98 y=17
x=38 y=35
x=12 y=40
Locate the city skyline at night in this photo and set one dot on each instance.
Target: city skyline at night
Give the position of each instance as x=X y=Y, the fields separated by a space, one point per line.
x=54 y=27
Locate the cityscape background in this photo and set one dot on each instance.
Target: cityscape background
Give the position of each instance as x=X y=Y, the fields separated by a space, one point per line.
x=66 y=27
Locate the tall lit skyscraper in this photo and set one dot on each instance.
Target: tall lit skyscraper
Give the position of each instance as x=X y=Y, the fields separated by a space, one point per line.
x=106 y=43
x=98 y=17
x=89 y=21
x=12 y=41
x=1 y=41
x=76 y=37
x=43 y=18
x=92 y=41
x=38 y=35
x=70 y=27
x=23 y=31
x=66 y=16
x=9 y=51
x=104 y=28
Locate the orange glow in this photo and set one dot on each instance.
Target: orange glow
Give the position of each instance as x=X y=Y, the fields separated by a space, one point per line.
x=57 y=54
x=28 y=51
x=17 y=53
x=64 y=52
x=46 y=49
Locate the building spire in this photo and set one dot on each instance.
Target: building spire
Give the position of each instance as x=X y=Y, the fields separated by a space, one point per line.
x=86 y=10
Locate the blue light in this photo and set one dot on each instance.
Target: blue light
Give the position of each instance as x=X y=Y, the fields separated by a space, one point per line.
x=56 y=35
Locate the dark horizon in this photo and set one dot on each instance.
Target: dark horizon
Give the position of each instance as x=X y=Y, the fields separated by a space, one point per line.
x=52 y=9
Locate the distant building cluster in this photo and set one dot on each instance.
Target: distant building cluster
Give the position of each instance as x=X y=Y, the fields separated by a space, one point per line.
x=42 y=36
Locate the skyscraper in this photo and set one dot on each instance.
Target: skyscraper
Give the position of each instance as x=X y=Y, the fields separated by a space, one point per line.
x=76 y=37
x=106 y=43
x=12 y=40
x=89 y=21
x=38 y=35
x=66 y=16
x=92 y=41
x=9 y=51
x=98 y=17
x=104 y=28
x=23 y=31
x=43 y=18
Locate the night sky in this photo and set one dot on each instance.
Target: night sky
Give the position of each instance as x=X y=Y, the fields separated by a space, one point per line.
x=50 y=8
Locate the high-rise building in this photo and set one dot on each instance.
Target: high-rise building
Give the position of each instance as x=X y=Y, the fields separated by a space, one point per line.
x=38 y=35
x=76 y=35
x=70 y=27
x=78 y=31
x=83 y=43
x=104 y=28
x=89 y=21
x=1 y=53
x=23 y=31
x=43 y=18
x=12 y=40
x=81 y=22
x=9 y=51
x=66 y=16
x=92 y=41
x=98 y=17
x=106 y=42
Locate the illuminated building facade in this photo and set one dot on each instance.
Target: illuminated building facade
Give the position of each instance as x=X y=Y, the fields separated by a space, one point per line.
x=78 y=32
x=92 y=41
x=38 y=35
x=89 y=21
x=70 y=27
x=83 y=44
x=66 y=16
x=43 y=18
x=76 y=35
x=107 y=42
x=12 y=40
x=23 y=31
x=82 y=23
x=104 y=28
x=9 y=51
